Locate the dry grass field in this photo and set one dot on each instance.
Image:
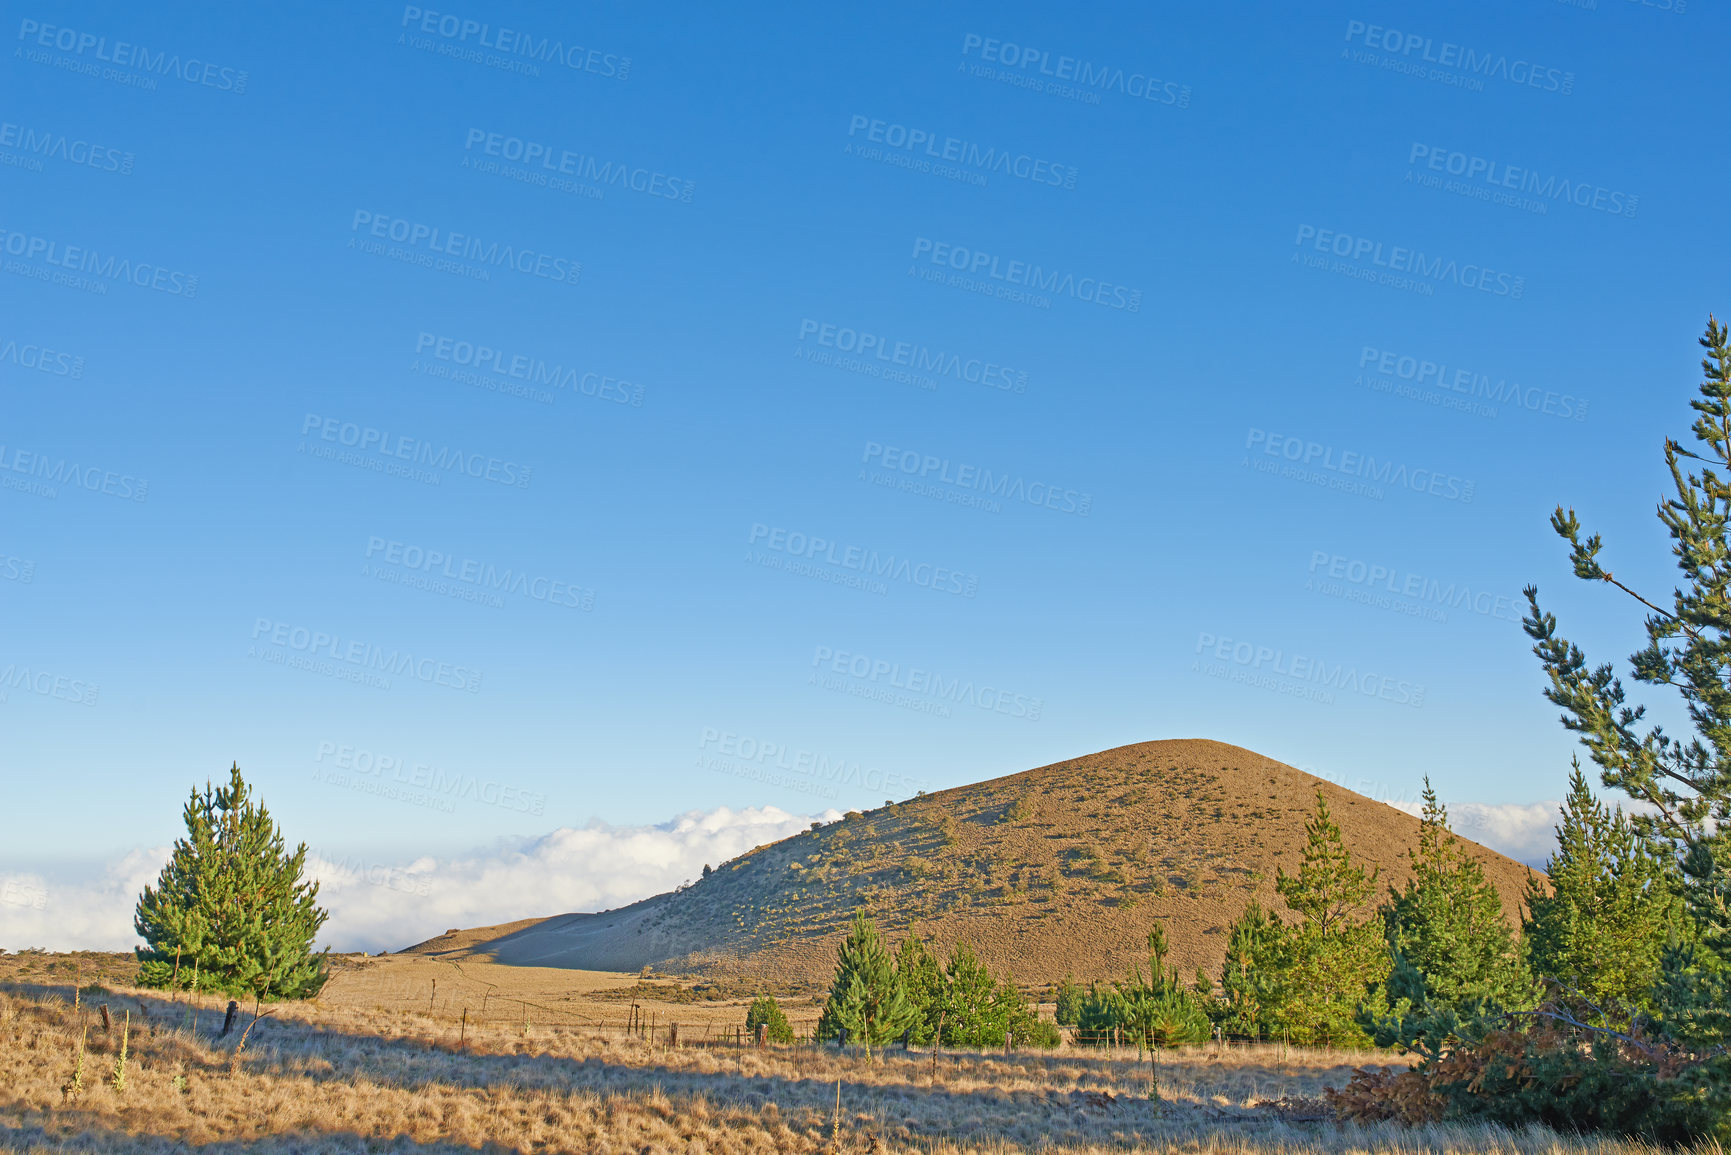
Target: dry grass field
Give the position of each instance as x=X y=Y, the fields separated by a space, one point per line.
x=406 y=1054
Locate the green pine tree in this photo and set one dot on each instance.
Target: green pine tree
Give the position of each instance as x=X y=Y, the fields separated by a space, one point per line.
x=1332 y=958
x=974 y=1010
x=230 y=907
x=1068 y=1000
x=922 y=980
x=1153 y=1010
x=1453 y=954
x=766 y=1011
x=1613 y=904
x=1686 y=782
x=1158 y=1011
x=866 y=998
x=1250 y=980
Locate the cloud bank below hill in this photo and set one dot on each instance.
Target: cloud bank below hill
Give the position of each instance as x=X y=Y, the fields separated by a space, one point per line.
x=379 y=905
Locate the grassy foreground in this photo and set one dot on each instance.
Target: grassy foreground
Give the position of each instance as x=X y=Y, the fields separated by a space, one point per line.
x=386 y=1060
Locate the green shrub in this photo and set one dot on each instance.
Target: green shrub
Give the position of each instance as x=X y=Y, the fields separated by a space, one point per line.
x=765 y=1010
x=1069 y=999
x=1156 y=1011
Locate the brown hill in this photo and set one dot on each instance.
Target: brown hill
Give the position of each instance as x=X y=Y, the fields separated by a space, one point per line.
x=1057 y=870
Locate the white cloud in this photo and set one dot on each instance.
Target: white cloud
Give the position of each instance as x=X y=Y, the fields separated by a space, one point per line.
x=1526 y=832
x=388 y=905
x=90 y=910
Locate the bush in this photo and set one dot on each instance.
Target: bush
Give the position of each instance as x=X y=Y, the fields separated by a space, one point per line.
x=1069 y=999
x=974 y=1009
x=765 y=1010
x=1034 y=1031
x=1155 y=1011
x=1551 y=1067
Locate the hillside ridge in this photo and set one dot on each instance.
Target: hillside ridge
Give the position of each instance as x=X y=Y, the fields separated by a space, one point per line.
x=1061 y=869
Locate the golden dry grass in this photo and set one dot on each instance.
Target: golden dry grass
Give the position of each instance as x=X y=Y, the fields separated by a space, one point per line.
x=365 y=1069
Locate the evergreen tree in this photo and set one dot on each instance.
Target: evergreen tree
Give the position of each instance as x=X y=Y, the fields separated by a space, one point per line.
x=1250 y=980
x=922 y=980
x=974 y=1009
x=1453 y=954
x=1155 y=1011
x=766 y=1011
x=866 y=998
x=1685 y=781
x=1334 y=955
x=1068 y=999
x=1613 y=904
x=1159 y=1012
x=230 y=906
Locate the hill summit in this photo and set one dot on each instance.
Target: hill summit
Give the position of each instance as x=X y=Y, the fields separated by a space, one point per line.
x=1056 y=870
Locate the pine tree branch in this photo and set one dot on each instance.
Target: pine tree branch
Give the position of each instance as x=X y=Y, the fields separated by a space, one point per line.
x=1571 y=1021
x=1667 y=614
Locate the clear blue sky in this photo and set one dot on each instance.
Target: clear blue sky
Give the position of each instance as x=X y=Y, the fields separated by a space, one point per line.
x=1210 y=239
